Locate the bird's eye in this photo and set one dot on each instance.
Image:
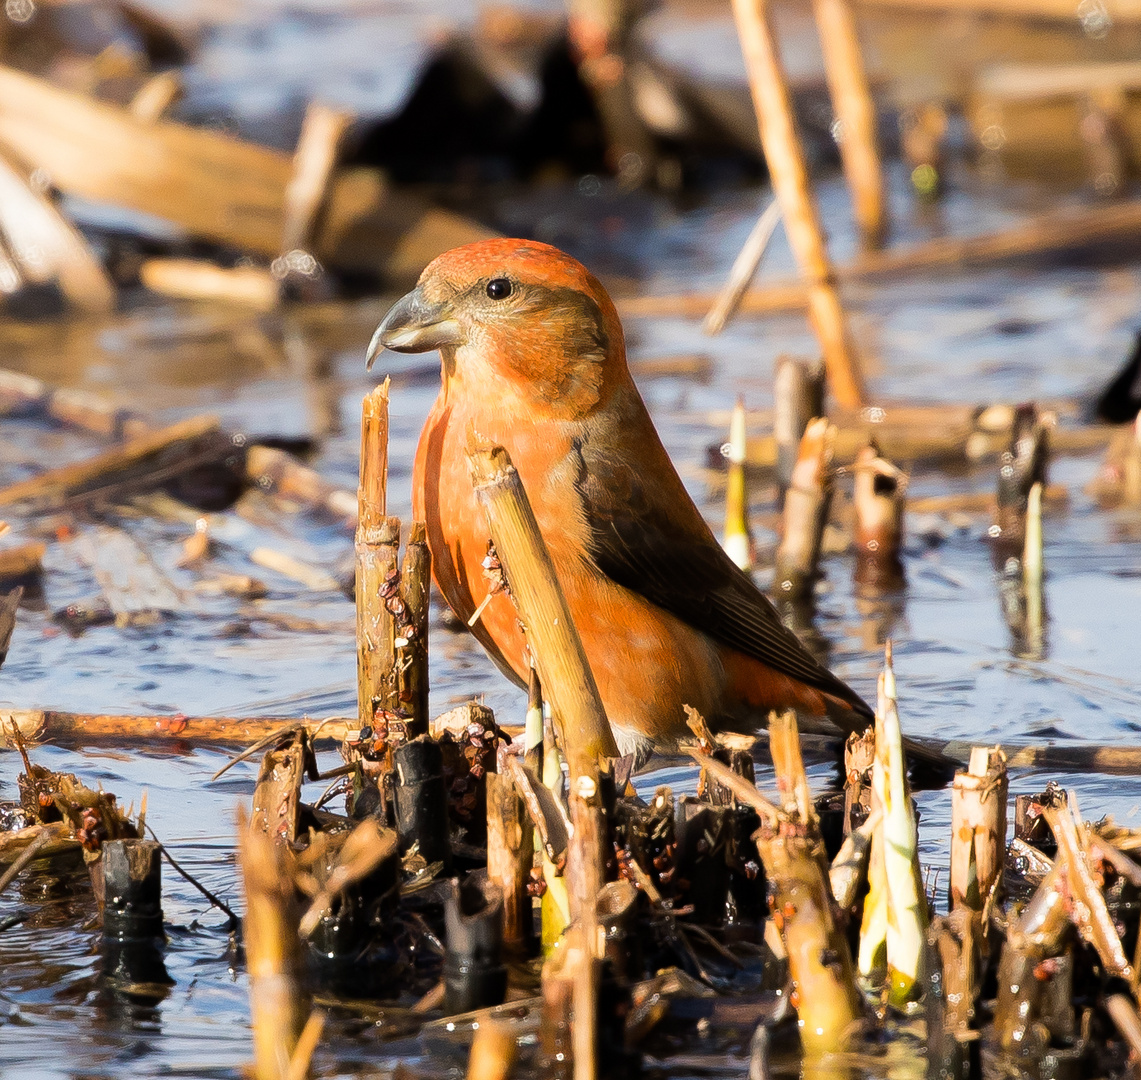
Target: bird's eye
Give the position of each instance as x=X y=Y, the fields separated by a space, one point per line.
x=499 y=288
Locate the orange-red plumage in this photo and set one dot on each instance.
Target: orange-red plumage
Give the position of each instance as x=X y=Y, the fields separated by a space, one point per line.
x=533 y=357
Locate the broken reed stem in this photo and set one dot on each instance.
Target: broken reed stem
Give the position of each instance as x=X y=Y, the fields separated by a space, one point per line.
x=412 y=655
x=1088 y=907
x=510 y=855
x=806 y=506
x=978 y=830
x=279 y=1005
x=852 y=100
x=377 y=554
x=322 y=131
x=789 y=173
x=879 y=497
x=567 y=680
x=798 y=396
x=825 y=994
x=743 y=270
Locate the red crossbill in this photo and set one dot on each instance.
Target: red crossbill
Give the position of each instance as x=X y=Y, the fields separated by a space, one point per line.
x=533 y=357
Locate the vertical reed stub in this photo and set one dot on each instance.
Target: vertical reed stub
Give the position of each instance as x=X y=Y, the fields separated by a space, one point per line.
x=377 y=549
x=279 y=1005
x=852 y=100
x=786 y=163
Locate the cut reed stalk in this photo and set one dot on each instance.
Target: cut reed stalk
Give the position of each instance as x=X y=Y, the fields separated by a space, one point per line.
x=306 y=194
x=377 y=571
x=978 y=831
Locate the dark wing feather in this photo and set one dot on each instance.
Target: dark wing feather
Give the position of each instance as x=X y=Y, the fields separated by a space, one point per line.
x=644 y=539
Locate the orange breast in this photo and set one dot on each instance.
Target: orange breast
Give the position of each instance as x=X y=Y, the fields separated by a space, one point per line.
x=647 y=663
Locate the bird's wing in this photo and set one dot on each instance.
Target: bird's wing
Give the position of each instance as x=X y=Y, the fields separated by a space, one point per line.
x=646 y=535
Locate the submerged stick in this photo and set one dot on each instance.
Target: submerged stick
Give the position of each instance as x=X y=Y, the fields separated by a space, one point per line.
x=563 y=668
x=786 y=163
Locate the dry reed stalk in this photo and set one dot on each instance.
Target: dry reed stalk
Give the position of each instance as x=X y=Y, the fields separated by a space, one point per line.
x=856 y=114
x=377 y=570
x=280 y=562
x=1087 y=907
x=567 y=681
x=825 y=994
x=24 y=560
x=280 y=472
x=785 y=159
x=738 y=538
x=45 y=247
x=279 y=1005
x=955 y=938
x=1032 y=570
x=71 y=407
x=806 y=507
x=156 y=96
x=879 y=497
x=322 y=132
x=74 y=479
x=510 y=856
x=412 y=633
x=197 y=279
x=92 y=729
x=743 y=269
x=493 y=1052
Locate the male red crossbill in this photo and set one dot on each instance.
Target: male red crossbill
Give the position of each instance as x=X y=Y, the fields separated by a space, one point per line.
x=534 y=358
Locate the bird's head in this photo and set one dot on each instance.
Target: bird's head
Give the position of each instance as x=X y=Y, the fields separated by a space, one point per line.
x=513 y=314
